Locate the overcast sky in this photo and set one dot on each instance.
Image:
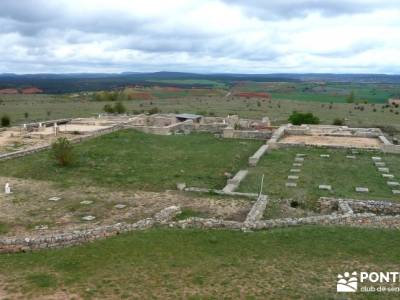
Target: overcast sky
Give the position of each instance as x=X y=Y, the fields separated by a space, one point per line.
x=207 y=36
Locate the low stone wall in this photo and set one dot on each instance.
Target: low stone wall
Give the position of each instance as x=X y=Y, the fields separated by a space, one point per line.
x=386 y=148
x=246 y=134
x=253 y=160
x=74 y=140
x=329 y=205
x=76 y=237
x=257 y=211
x=234 y=182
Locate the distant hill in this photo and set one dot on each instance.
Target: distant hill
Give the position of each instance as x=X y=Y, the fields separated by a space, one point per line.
x=77 y=82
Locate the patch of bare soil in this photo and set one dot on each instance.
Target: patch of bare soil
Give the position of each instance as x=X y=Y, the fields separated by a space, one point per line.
x=321 y=140
x=29 y=209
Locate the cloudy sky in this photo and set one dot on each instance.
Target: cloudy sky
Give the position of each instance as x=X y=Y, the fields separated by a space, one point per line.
x=207 y=36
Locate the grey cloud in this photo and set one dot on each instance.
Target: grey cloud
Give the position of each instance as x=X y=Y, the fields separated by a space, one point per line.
x=300 y=8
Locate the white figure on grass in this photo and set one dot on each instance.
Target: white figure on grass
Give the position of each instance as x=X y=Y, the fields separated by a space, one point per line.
x=7 y=188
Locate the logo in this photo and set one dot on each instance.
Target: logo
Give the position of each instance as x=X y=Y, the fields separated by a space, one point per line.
x=347 y=283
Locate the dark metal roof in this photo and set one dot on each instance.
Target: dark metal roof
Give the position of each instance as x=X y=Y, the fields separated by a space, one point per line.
x=188 y=116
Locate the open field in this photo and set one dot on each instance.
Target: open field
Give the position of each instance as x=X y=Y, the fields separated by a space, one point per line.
x=133 y=160
x=44 y=107
x=322 y=91
x=342 y=173
x=192 y=264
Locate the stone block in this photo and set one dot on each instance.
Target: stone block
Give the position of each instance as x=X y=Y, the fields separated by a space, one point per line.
x=351 y=156
x=380 y=164
x=386 y=175
x=396 y=192
x=181 y=186
x=295 y=170
x=297 y=164
x=293 y=177
x=325 y=187
x=376 y=158
x=383 y=170
x=300 y=155
x=393 y=183
x=325 y=155
x=362 y=190
x=291 y=184
x=299 y=159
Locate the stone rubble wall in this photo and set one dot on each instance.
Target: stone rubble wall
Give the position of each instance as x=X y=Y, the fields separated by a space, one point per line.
x=329 y=205
x=257 y=211
x=246 y=134
x=76 y=237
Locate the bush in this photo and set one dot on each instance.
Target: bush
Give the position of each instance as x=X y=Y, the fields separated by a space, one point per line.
x=297 y=118
x=154 y=110
x=5 y=121
x=338 y=122
x=26 y=115
x=119 y=108
x=61 y=151
x=108 y=109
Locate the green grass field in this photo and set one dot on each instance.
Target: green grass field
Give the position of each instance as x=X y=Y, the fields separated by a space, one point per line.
x=295 y=263
x=134 y=160
x=44 y=107
x=341 y=173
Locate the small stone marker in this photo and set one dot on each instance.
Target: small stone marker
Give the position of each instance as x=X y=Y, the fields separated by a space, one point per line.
x=181 y=186
x=351 y=156
x=380 y=164
x=295 y=170
x=120 y=206
x=299 y=159
x=7 y=188
x=88 y=218
x=86 y=202
x=376 y=158
x=383 y=170
x=393 y=183
x=55 y=199
x=291 y=184
x=297 y=165
x=300 y=155
x=396 y=192
x=293 y=177
x=325 y=155
x=362 y=190
x=325 y=187
x=354 y=151
x=386 y=175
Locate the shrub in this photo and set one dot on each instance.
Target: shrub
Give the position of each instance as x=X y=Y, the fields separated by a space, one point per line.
x=108 y=108
x=338 y=122
x=61 y=151
x=154 y=110
x=5 y=121
x=298 y=118
x=119 y=108
x=26 y=115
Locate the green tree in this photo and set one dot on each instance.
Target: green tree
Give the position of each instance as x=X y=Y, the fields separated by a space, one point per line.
x=298 y=118
x=119 y=108
x=5 y=121
x=108 y=109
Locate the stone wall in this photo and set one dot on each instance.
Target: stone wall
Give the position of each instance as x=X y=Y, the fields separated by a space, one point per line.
x=234 y=182
x=329 y=205
x=253 y=160
x=76 y=237
x=246 y=134
x=257 y=211
x=74 y=140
